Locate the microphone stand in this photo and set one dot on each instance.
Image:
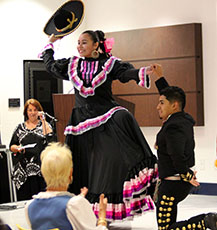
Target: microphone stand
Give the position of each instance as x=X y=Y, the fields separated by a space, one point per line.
x=52 y=122
x=51 y=117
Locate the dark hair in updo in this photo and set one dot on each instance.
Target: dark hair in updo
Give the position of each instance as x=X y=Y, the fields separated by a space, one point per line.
x=97 y=36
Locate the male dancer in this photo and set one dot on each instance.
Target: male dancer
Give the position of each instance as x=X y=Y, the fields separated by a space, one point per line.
x=175 y=148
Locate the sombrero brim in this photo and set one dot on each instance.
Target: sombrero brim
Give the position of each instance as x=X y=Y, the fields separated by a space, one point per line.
x=75 y=6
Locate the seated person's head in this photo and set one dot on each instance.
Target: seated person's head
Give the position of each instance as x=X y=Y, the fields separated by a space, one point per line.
x=56 y=166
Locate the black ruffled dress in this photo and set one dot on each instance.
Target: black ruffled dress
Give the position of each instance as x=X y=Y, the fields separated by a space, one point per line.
x=26 y=174
x=110 y=153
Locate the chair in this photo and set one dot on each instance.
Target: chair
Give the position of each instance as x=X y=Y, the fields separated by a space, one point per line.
x=21 y=228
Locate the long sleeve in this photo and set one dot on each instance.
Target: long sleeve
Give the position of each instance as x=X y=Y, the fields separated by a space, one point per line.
x=58 y=68
x=176 y=141
x=161 y=83
x=26 y=213
x=124 y=72
x=80 y=214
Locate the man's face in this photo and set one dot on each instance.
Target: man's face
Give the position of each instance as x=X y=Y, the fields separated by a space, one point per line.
x=165 y=108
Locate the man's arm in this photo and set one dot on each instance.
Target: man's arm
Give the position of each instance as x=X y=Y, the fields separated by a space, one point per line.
x=161 y=83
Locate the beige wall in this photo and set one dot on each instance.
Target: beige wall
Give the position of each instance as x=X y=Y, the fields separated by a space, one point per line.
x=22 y=38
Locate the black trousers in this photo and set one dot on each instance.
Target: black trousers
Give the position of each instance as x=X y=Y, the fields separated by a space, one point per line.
x=170 y=193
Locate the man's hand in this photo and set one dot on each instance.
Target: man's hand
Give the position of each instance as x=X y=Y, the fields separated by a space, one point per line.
x=194 y=181
x=157 y=70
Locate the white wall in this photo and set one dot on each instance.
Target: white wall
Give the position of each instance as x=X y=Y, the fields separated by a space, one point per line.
x=22 y=38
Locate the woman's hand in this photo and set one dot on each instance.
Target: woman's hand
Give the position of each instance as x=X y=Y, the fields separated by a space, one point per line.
x=41 y=115
x=17 y=149
x=45 y=126
x=52 y=38
x=102 y=206
x=84 y=191
x=102 y=210
x=149 y=70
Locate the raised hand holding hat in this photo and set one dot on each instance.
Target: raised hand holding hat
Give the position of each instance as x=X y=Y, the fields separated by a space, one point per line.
x=66 y=19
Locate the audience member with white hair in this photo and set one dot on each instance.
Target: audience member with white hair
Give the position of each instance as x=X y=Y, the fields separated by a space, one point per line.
x=57 y=208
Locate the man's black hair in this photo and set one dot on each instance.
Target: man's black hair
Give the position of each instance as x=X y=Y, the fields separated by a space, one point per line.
x=174 y=93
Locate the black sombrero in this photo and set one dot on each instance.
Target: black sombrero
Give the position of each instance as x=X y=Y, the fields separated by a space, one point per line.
x=66 y=19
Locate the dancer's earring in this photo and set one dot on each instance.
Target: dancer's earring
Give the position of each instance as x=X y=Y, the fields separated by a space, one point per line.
x=95 y=54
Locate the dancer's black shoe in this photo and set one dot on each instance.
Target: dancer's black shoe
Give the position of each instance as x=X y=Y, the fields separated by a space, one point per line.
x=211 y=220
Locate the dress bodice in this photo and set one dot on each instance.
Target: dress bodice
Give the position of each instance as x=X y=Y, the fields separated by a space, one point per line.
x=92 y=80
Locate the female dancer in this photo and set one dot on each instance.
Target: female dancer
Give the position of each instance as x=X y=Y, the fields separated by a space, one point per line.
x=110 y=153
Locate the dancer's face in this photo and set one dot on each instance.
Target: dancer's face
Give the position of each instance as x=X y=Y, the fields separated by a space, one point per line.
x=165 y=107
x=86 y=45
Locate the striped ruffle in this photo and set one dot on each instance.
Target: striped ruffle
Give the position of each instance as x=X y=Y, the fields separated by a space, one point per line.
x=140 y=183
x=144 y=79
x=131 y=206
x=97 y=80
x=91 y=123
x=126 y=210
x=48 y=46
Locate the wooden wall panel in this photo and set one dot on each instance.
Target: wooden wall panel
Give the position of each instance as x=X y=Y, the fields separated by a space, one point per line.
x=63 y=104
x=146 y=107
x=171 y=68
x=156 y=43
x=178 y=49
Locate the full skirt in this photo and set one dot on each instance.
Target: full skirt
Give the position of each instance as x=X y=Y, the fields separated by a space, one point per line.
x=116 y=160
